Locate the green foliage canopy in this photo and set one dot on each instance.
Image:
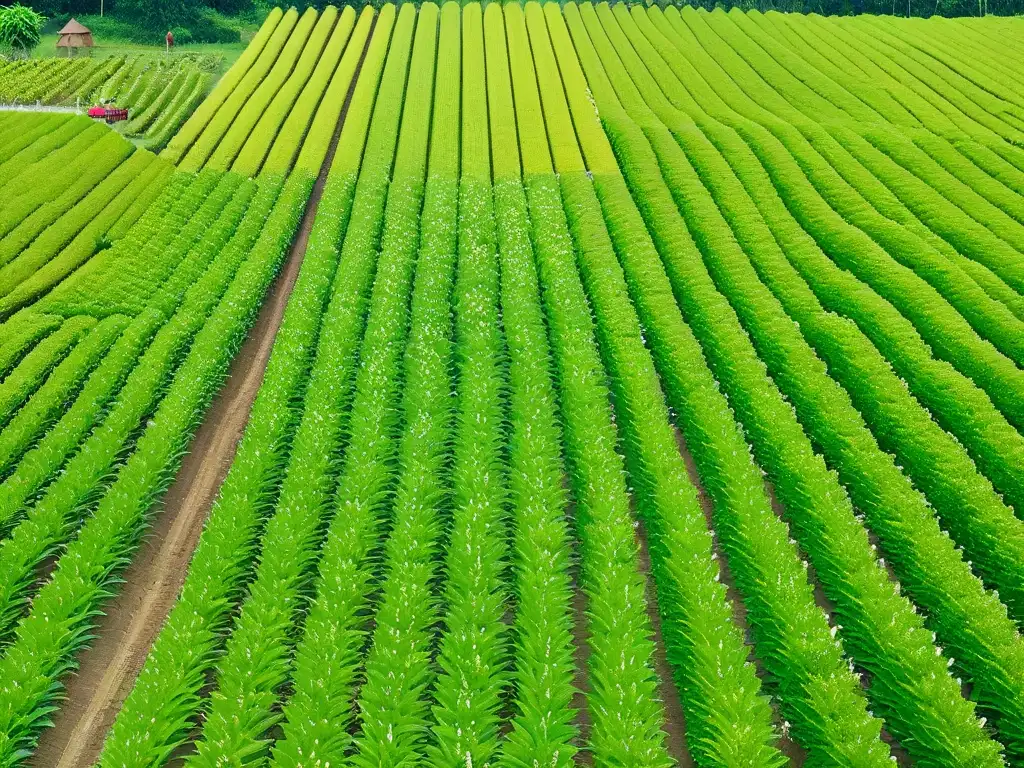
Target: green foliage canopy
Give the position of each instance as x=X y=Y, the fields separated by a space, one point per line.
x=20 y=27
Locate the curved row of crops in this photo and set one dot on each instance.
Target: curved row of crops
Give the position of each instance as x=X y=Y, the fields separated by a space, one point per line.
x=651 y=392
x=254 y=120
x=159 y=93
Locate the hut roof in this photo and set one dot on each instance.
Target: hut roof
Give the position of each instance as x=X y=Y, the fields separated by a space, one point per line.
x=74 y=35
x=73 y=27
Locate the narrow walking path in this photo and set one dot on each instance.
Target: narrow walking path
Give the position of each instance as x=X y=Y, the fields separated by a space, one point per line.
x=133 y=618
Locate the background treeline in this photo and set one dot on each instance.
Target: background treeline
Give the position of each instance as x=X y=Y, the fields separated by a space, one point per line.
x=222 y=20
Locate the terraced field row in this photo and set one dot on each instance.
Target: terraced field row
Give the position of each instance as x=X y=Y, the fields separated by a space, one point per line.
x=159 y=94
x=650 y=392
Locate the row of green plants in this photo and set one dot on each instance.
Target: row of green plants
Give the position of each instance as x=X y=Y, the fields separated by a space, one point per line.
x=46 y=406
x=969 y=415
x=292 y=79
x=20 y=129
x=225 y=299
x=107 y=211
x=309 y=34
x=191 y=149
x=393 y=712
x=544 y=725
x=986 y=315
x=319 y=57
x=32 y=370
x=258 y=657
x=22 y=191
x=899 y=340
x=322 y=321
x=388 y=572
x=21 y=334
x=55 y=80
x=952 y=177
x=317 y=110
x=179 y=290
x=814 y=501
x=990 y=513
x=793 y=638
x=473 y=649
x=46 y=457
x=865 y=242
x=381 y=246
x=193 y=127
x=623 y=699
x=29 y=146
x=932 y=458
x=40 y=206
x=47 y=525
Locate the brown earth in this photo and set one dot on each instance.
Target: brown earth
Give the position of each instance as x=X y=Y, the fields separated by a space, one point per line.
x=153 y=580
x=132 y=620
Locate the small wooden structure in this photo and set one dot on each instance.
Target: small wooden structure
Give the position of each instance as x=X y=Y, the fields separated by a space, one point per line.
x=73 y=36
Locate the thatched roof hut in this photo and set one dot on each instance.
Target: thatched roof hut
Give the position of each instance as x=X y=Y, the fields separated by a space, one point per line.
x=74 y=35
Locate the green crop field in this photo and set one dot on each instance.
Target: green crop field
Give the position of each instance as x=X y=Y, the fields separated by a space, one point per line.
x=638 y=387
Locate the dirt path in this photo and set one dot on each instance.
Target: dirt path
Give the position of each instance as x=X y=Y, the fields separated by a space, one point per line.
x=675 y=716
x=133 y=619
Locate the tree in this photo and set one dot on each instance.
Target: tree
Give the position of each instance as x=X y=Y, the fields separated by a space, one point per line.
x=158 y=16
x=231 y=7
x=20 y=27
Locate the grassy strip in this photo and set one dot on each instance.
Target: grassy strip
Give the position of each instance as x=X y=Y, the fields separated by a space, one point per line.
x=106 y=158
x=309 y=34
x=61 y=132
x=21 y=335
x=143 y=189
x=232 y=106
x=43 y=180
x=24 y=130
x=314 y=54
x=318 y=108
x=233 y=78
x=25 y=379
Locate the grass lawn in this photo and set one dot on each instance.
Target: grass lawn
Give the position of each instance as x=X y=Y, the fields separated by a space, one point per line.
x=106 y=46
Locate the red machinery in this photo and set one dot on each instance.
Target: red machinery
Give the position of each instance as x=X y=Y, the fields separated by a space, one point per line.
x=110 y=114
